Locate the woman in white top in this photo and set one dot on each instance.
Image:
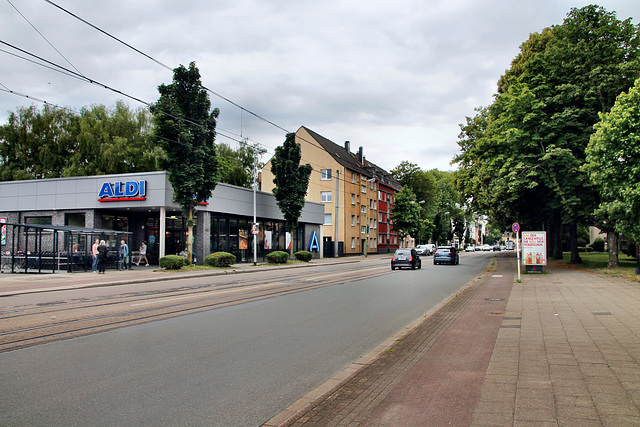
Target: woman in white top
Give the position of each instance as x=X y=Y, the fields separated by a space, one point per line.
x=143 y=254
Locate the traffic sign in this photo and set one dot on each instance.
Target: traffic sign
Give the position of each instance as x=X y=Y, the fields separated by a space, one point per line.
x=515 y=227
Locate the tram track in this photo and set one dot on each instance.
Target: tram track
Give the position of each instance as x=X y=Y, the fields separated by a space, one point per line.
x=39 y=324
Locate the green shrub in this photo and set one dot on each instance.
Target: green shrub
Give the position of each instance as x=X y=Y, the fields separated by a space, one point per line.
x=584 y=249
x=305 y=256
x=172 y=262
x=220 y=259
x=598 y=245
x=277 y=257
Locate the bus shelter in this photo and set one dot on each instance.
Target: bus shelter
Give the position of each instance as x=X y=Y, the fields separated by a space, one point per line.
x=45 y=248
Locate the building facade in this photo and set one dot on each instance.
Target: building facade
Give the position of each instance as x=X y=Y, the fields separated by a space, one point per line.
x=349 y=187
x=142 y=204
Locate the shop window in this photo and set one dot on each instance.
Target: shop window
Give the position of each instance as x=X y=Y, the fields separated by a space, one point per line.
x=74 y=219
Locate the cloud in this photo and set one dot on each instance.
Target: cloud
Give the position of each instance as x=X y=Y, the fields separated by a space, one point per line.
x=395 y=77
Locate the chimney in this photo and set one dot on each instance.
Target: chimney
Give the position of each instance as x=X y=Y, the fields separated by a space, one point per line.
x=347 y=146
x=360 y=158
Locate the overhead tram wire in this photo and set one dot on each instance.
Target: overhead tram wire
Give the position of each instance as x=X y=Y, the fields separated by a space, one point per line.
x=42 y=35
x=171 y=69
x=82 y=77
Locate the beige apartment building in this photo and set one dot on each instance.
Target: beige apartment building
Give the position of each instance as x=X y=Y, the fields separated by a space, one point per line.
x=348 y=187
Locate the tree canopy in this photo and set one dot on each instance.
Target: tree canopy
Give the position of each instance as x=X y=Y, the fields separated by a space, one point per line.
x=291 y=181
x=521 y=156
x=185 y=130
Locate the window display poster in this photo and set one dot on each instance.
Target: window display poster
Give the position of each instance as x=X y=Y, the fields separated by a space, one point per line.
x=3 y=227
x=267 y=240
x=534 y=247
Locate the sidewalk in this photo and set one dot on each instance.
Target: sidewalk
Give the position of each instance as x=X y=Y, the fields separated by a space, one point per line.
x=561 y=348
x=19 y=283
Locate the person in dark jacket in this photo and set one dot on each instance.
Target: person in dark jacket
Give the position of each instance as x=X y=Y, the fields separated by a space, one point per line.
x=103 y=254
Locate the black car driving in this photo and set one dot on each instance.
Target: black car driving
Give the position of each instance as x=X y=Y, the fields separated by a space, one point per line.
x=406 y=258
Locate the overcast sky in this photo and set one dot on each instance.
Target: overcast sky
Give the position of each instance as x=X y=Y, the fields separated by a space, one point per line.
x=395 y=77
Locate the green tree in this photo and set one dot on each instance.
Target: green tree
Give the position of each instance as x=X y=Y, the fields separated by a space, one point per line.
x=35 y=144
x=406 y=213
x=237 y=166
x=525 y=160
x=291 y=180
x=613 y=164
x=112 y=140
x=186 y=130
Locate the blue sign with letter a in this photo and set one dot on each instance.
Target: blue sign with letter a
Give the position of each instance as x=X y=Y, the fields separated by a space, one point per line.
x=122 y=191
x=313 y=243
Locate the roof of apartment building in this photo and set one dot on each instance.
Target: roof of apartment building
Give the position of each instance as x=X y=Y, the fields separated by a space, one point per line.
x=354 y=161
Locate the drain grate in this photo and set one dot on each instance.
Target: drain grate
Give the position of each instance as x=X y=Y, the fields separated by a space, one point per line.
x=510 y=326
x=494 y=299
x=602 y=313
x=512 y=318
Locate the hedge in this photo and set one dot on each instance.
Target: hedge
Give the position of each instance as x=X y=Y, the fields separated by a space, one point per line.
x=172 y=262
x=220 y=259
x=305 y=256
x=277 y=257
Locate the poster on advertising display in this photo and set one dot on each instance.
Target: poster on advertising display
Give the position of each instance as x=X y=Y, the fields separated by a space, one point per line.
x=534 y=248
x=3 y=228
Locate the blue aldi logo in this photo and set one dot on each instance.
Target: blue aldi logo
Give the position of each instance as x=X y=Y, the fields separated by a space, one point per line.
x=123 y=191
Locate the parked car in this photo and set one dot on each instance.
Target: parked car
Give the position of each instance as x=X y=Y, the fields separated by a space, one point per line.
x=486 y=248
x=406 y=258
x=496 y=248
x=470 y=248
x=446 y=255
x=431 y=247
x=422 y=250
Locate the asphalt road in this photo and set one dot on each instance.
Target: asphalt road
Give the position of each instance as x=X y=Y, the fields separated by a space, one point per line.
x=234 y=366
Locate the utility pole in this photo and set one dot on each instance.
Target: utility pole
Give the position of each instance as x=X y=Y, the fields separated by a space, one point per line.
x=258 y=152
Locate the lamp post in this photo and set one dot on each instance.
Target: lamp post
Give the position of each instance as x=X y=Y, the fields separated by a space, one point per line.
x=257 y=152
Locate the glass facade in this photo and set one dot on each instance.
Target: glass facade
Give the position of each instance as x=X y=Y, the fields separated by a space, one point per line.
x=233 y=234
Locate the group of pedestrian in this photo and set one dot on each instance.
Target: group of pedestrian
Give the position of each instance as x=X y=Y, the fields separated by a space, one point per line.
x=100 y=254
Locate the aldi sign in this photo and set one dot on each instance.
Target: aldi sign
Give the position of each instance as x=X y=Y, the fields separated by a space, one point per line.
x=123 y=191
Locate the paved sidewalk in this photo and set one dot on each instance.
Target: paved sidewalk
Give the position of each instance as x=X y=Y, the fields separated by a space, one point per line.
x=561 y=348
x=20 y=283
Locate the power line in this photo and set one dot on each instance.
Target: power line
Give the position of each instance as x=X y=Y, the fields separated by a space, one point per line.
x=42 y=35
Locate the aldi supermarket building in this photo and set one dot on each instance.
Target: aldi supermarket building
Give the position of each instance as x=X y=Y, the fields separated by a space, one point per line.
x=139 y=208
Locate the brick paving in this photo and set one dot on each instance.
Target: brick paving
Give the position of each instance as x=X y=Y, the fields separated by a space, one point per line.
x=558 y=349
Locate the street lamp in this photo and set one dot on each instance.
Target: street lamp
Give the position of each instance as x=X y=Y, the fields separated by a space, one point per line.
x=254 y=229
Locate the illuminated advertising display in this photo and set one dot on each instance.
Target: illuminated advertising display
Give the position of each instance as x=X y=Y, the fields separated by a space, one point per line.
x=534 y=247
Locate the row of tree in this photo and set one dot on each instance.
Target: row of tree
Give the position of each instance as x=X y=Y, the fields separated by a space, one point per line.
x=429 y=206
x=54 y=142
x=532 y=156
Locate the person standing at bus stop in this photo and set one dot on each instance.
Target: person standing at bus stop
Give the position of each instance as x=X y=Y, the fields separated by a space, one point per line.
x=94 y=256
x=103 y=255
x=124 y=254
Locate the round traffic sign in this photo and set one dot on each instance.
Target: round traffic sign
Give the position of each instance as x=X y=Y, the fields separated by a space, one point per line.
x=515 y=227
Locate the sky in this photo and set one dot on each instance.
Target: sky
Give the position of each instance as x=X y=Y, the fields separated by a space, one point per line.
x=395 y=77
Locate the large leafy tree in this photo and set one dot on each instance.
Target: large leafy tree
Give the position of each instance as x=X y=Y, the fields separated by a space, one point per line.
x=406 y=213
x=613 y=164
x=36 y=144
x=524 y=153
x=291 y=181
x=186 y=130
x=112 y=140
x=237 y=166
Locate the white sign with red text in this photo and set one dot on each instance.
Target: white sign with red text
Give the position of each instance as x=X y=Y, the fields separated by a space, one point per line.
x=534 y=247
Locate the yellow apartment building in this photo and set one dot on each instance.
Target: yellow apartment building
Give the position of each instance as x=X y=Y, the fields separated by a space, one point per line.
x=347 y=185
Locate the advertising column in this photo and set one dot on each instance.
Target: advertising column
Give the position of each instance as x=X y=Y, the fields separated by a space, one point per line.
x=534 y=250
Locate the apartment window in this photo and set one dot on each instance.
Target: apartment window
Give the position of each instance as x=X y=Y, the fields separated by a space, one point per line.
x=353 y=178
x=353 y=199
x=363 y=209
x=353 y=220
x=363 y=229
x=363 y=188
x=327 y=219
x=325 y=174
x=325 y=197
x=353 y=243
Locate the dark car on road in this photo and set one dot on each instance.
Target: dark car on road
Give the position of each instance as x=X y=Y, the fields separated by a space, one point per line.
x=446 y=255
x=406 y=258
